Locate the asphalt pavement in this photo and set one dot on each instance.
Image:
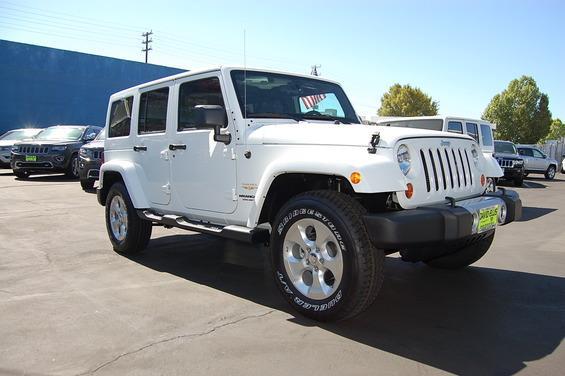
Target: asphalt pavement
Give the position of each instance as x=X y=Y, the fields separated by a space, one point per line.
x=195 y=305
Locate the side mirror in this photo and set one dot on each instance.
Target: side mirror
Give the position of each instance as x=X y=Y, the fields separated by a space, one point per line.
x=213 y=117
x=89 y=137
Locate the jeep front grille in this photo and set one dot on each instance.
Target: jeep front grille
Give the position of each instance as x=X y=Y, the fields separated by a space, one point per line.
x=447 y=167
x=34 y=149
x=505 y=162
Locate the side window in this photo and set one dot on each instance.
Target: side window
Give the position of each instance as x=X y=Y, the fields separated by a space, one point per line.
x=486 y=135
x=472 y=130
x=153 y=111
x=537 y=153
x=455 y=127
x=206 y=91
x=527 y=152
x=120 y=117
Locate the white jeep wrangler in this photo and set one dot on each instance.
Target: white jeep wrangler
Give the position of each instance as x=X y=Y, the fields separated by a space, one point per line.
x=282 y=159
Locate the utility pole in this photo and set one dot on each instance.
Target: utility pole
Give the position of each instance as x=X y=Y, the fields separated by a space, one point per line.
x=314 y=71
x=146 y=43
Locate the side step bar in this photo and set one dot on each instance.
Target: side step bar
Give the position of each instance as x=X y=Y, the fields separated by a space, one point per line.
x=245 y=234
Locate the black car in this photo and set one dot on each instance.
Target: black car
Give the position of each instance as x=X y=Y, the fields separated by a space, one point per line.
x=91 y=157
x=510 y=161
x=55 y=150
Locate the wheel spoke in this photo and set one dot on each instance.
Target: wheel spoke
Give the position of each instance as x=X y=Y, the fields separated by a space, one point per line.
x=334 y=265
x=317 y=290
x=323 y=234
x=295 y=266
x=296 y=234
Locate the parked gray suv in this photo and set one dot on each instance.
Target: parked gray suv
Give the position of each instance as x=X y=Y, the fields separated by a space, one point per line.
x=537 y=162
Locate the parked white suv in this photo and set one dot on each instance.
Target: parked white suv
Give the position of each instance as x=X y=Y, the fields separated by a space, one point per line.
x=281 y=159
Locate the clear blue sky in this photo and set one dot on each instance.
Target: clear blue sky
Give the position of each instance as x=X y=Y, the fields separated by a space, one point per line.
x=459 y=52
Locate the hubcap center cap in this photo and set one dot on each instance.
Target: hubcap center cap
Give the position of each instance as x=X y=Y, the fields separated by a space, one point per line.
x=313 y=258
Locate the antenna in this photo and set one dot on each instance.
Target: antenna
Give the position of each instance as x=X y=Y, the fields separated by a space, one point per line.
x=244 y=77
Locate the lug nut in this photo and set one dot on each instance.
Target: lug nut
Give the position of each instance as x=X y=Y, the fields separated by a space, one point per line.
x=321 y=260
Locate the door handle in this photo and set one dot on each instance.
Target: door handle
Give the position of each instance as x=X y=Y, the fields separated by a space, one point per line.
x=140 y=148
x=177 y=147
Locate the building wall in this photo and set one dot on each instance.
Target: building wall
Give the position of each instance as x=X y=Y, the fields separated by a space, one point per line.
x=42 y=86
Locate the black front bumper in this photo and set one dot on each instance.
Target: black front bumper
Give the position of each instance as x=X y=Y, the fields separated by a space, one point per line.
x=425 y=226
x=89 y=169
x=513 y=173
x=44 y=163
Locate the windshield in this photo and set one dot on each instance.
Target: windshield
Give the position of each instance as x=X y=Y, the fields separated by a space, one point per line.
x=61 y=133
x=19 y=134
x=101 y=135
x=430 y=124
x=504 y=147
x=272 y=95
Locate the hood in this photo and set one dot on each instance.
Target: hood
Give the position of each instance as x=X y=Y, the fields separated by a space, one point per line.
x=507 y=156
x=96 y=144
x=48 y=142
x=324 y=133
x=7 y=142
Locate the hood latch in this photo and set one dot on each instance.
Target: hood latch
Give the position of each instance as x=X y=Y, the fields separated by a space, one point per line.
x=375 y=138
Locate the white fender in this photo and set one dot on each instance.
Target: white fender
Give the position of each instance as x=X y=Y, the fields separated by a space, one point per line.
x=130 y=173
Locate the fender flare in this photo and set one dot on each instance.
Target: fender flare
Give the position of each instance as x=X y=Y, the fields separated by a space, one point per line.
x=130 y=176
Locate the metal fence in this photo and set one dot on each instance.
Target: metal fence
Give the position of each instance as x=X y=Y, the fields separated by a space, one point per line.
x=555 y=149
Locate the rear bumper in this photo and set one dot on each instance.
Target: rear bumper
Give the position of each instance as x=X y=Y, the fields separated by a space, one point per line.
x=426 y=226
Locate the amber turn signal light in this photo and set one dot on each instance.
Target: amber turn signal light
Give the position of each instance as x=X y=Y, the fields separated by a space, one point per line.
x=409 y=192
x=483 y=180
x=355 y=177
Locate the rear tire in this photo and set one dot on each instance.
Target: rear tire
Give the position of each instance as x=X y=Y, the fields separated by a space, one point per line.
x=129 y=234
x=550 y=173
x=87 y=184
x=322 y=258
x=461 y=257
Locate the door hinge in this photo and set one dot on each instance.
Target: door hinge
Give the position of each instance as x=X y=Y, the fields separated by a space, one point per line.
x=166 y=188
x=233 y=195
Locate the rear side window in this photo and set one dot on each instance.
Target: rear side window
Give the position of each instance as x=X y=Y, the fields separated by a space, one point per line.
x=455 y=127
x=120 y=117
x=194 y=93
x=486 y=135
x=472 y=130
x=153 y=111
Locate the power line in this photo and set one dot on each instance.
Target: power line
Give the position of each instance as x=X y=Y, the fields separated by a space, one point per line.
x=146 y=43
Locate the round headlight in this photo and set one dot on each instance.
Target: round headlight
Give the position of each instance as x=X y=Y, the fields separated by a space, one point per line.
x=475 y=155
x=403 y=157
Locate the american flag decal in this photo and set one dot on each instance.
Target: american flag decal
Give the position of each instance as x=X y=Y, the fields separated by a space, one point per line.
x=312 y=100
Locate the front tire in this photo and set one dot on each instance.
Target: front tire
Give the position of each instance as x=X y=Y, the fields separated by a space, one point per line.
x=72 y=168
x=550 y=173
x=463 y=256
x=128 y=233
x=21 y=174
x=87 y=184
x=322 y=257
x=518 y=182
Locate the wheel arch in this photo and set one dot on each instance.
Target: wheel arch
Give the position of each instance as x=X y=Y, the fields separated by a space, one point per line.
x=111 y=173
x=287 y=185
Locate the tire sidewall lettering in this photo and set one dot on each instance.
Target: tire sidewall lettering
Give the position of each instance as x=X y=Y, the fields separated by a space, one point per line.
x=284 y=282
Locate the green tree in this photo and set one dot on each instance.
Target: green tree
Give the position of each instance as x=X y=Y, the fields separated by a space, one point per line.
x=556 y=130
x=405 y=100
x=521 y=112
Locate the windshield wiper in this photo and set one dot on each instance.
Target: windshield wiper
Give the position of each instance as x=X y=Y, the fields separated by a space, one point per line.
x=273 y=115
x=324 y=117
